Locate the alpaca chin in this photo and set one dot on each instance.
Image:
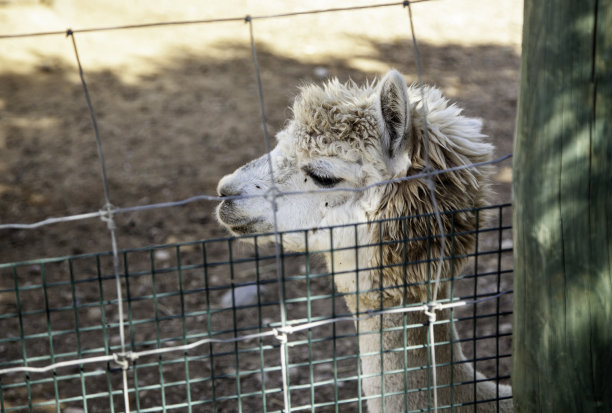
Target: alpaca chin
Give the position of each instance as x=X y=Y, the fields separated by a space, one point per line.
x=239 y=224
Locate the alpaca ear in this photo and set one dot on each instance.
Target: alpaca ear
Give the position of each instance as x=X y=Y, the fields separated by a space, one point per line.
x=394 y=120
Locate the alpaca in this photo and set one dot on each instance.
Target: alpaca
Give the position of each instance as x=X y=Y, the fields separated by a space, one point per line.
x=349 y=136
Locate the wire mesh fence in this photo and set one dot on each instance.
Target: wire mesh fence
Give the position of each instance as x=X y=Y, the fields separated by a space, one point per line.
x=202 y=324
x=215 y=326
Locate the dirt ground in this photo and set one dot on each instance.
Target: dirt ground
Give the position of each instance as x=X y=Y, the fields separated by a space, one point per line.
x=177 y=108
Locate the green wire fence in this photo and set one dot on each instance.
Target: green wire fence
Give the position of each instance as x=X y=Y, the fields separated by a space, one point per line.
x=201 y=322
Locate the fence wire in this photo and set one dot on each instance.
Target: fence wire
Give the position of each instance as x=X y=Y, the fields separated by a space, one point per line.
x=125 y=359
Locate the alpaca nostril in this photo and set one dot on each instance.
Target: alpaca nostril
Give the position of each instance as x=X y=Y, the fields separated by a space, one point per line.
x=228 y=190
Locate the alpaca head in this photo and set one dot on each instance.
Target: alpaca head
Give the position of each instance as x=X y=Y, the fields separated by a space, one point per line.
x=345 y=136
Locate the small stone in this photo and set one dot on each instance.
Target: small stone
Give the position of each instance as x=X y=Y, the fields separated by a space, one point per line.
x=245 y=295
x=321 y=72
x=73 y=410
x=34 y=269
x=162 y=255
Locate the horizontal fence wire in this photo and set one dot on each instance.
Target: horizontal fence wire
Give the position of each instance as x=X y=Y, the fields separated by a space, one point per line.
x=118 y=316
x=215 y=198
x=206 y=21
x=120 y=358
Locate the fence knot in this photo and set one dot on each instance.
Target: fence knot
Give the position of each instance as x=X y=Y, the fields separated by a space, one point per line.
x=106 y=215
x=281 y=333
x=248 y=18
x=124 y=359
x=69 y=32
x=431 y=312
x=271 y=195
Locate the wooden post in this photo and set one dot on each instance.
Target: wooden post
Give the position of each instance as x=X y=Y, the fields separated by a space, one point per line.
x=563 y=210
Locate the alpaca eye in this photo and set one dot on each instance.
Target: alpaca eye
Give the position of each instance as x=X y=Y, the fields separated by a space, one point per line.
x=324 y=181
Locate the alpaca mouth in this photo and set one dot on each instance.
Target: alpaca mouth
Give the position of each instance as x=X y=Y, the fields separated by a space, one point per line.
x=246 y=229
x=238 y=223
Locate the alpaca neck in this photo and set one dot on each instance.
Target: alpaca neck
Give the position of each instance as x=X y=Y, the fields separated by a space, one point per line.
x=400 y=350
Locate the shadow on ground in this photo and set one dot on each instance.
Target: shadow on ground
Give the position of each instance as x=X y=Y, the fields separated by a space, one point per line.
x=173 y=134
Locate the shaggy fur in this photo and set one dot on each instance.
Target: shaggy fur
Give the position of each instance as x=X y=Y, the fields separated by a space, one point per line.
x=350 y=136
x=340 y=120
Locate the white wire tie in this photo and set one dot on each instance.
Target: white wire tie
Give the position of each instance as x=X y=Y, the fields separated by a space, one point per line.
x=124 y=359
x=281 y=333
x=431 y=311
